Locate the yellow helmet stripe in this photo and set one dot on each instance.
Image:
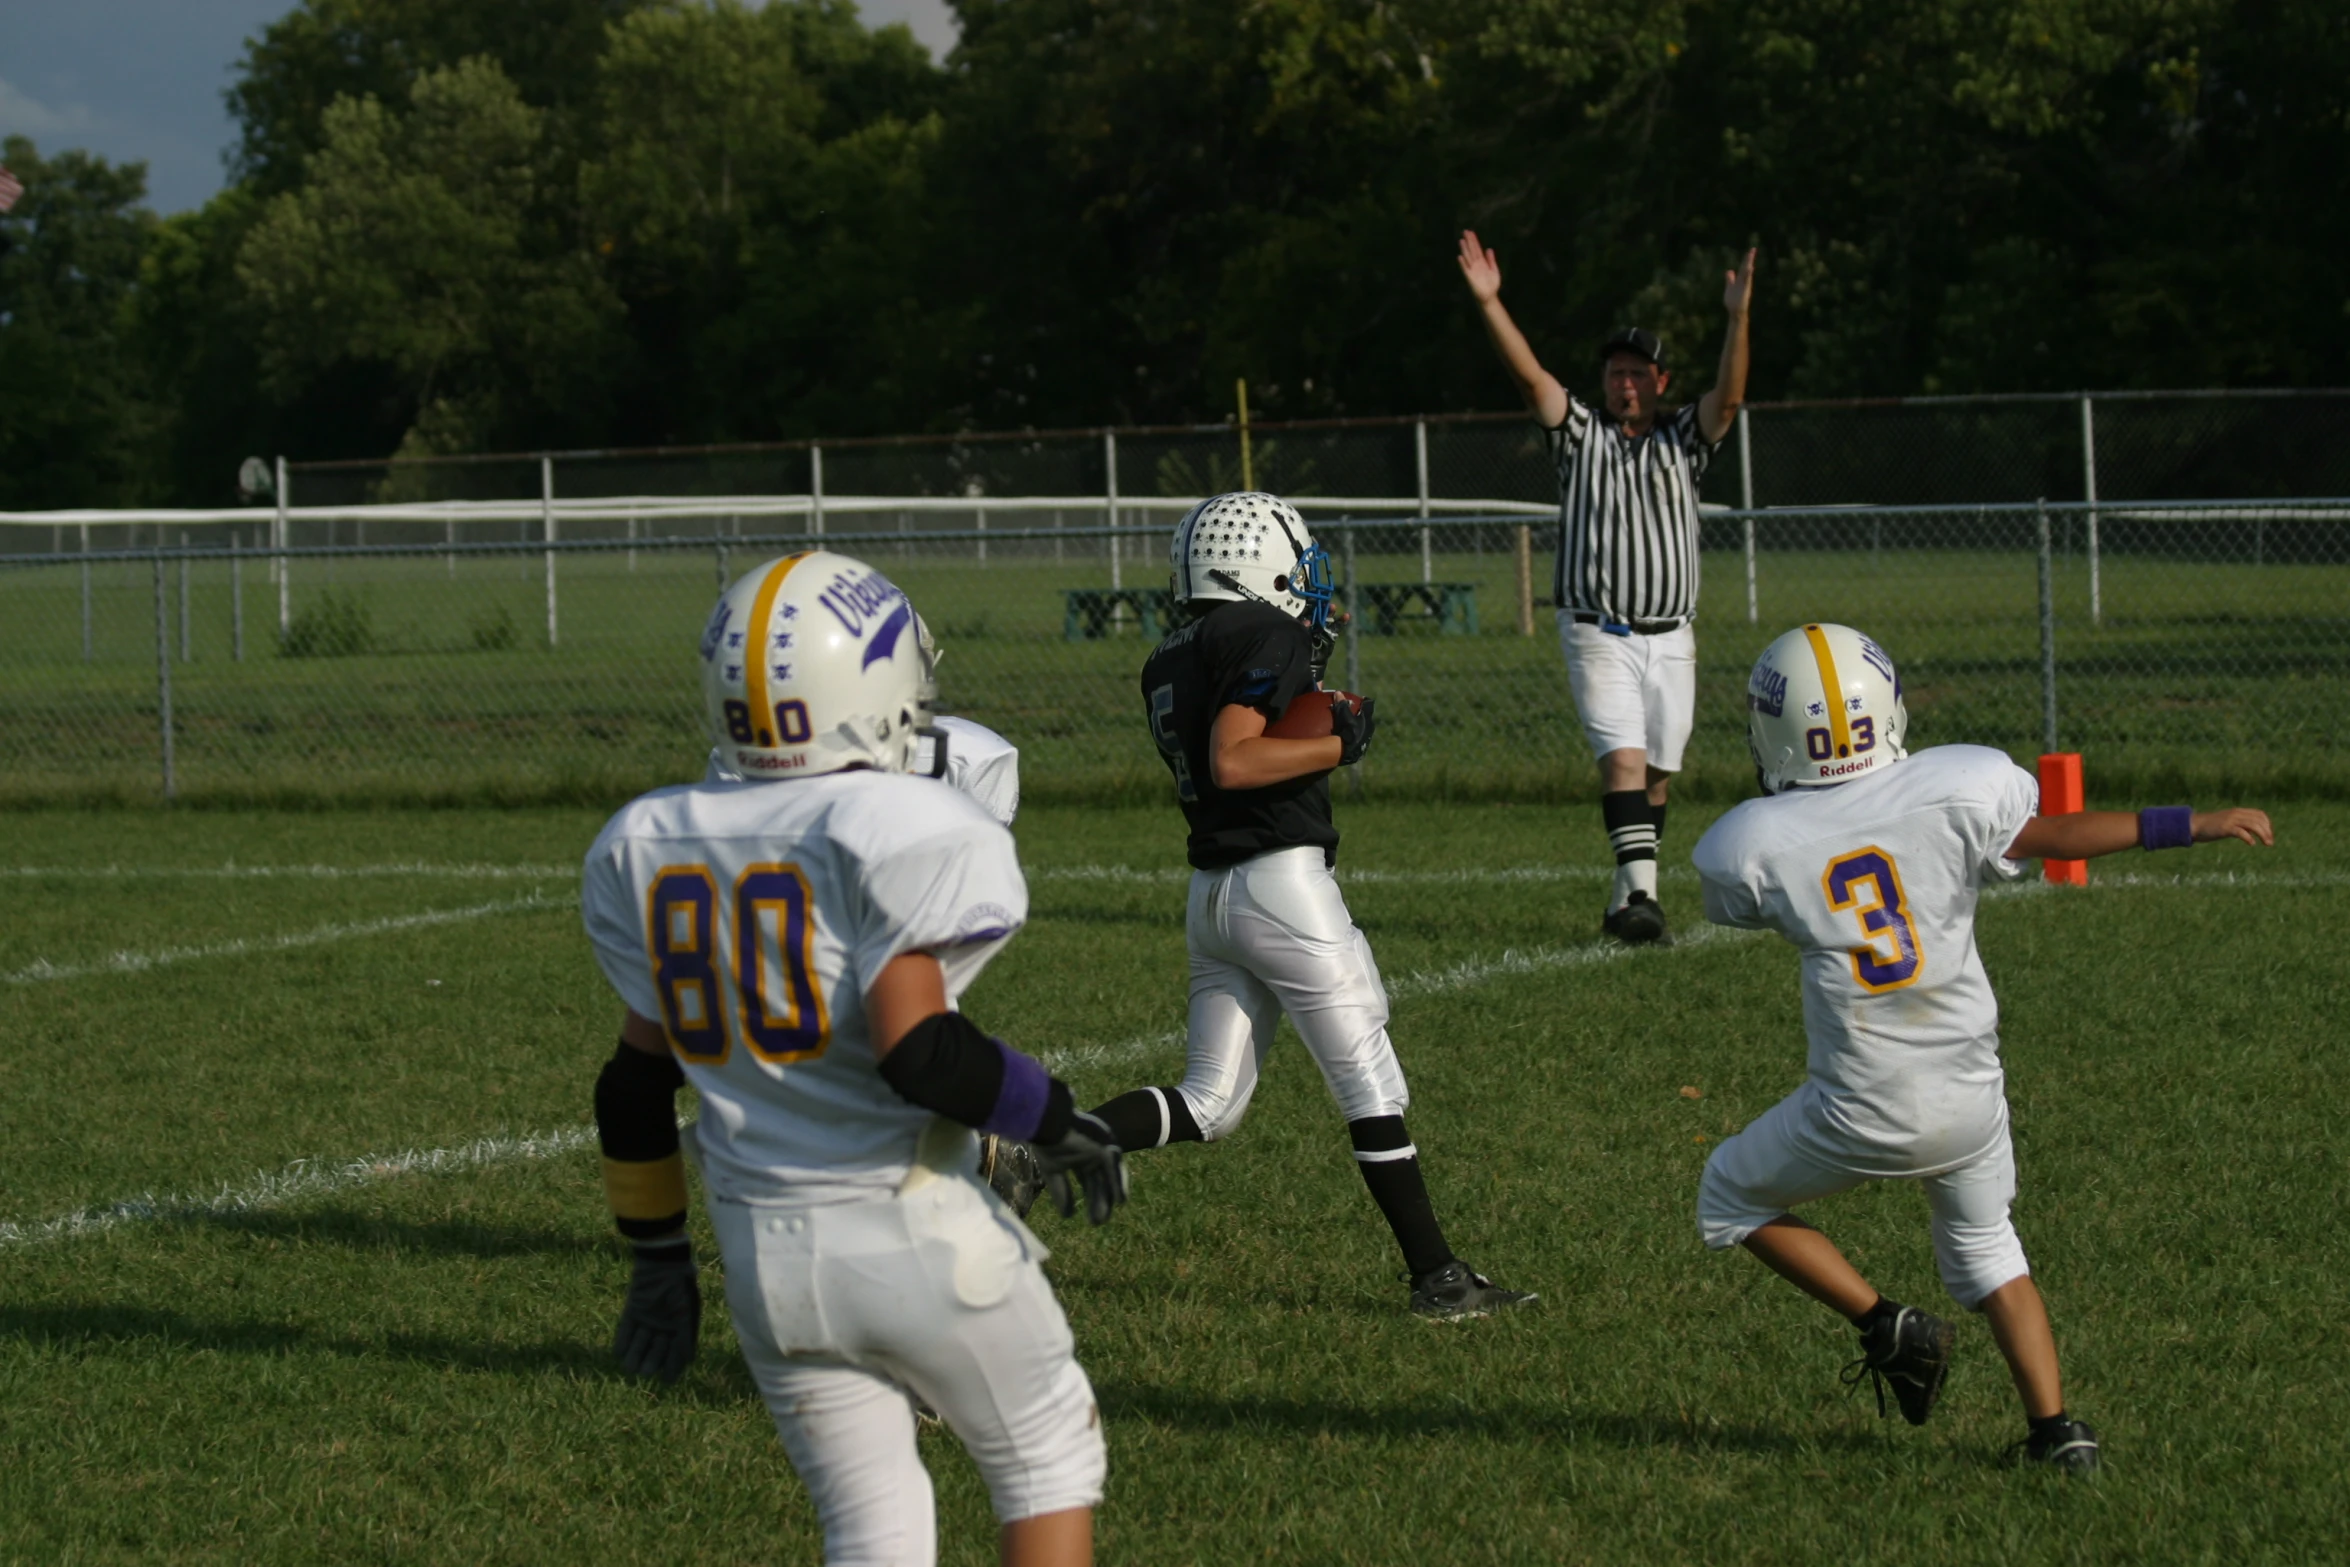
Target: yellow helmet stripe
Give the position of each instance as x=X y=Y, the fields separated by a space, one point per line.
x=755 y=663
x=1839 y=731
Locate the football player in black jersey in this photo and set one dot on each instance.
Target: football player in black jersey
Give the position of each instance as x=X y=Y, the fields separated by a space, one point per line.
x=1268 y=929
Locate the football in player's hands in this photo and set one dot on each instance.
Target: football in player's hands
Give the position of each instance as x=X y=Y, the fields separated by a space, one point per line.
x=1309 y=718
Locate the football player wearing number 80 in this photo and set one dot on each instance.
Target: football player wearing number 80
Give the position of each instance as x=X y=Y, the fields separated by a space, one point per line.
x=791 y=940
x=1870 y=862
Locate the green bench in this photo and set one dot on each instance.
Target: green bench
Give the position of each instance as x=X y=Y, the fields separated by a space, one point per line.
x=1452 y=605
x=1089 y=613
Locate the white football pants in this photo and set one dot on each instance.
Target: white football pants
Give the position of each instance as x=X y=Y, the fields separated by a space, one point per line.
x=1785 y=1157
x=842 y=1307
x=1633 y=693
x=1268 y=936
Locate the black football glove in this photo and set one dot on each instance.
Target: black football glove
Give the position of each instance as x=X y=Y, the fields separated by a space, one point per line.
x=1354 y=726
x=1090 y=1151
x=661 y=1320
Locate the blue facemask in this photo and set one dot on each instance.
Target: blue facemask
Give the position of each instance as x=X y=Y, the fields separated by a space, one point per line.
x=1312 y=581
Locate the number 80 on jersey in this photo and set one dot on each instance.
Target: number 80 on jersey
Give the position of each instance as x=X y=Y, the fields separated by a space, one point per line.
x=778 y=1007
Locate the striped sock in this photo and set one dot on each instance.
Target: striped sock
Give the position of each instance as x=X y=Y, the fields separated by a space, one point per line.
x=1632 y=831
x=1391 y=1169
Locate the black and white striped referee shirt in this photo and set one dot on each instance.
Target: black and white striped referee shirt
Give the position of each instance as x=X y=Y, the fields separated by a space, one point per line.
x=1627 y=514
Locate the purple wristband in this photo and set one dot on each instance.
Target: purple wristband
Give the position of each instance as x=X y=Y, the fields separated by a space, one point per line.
x=1019 y=1104
x=2166 y=827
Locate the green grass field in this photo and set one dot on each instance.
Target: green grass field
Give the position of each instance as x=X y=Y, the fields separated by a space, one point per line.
x=303 y=1256
x=2203 y=676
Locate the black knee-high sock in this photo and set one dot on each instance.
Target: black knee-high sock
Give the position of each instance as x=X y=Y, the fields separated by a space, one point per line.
x=1150 y=1118
x=1391 y=1168
x=1656 y=819
x=1633 y=825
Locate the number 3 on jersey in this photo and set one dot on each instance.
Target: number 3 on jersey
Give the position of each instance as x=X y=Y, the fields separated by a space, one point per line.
x=1867 y=882
x=779 y=1009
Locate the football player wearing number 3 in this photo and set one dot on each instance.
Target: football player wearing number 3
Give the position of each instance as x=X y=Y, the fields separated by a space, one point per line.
x=1267 y=926
x=790 y=936
x=1870 y=862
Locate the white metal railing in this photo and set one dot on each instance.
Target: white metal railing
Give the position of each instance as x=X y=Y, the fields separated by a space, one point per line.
x=815 y=507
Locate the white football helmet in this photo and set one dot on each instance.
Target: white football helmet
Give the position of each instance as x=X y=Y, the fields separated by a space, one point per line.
x=810 y=664
x=1253 y=546
x=1823 y=706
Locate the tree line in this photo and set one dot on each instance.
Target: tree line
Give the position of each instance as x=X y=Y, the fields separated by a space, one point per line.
x=455 y=227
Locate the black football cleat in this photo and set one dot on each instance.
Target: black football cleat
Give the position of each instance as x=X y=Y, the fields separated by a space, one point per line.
x=1911 y=1351
x=1012 y=1169
x=2070 y=1448
x=1639 y=923
x=1457 y=1292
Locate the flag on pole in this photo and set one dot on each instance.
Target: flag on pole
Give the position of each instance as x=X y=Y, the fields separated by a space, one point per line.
x=10 y=188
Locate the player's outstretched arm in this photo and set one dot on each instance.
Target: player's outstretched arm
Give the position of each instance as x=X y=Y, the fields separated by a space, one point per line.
x=2084 y=835
x=937 y=1058
x=644 y=1180
x=1481 y=270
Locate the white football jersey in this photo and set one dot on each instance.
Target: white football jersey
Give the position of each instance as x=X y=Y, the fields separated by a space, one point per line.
x=1875 y=882
x=748 y=919
x=981 y=763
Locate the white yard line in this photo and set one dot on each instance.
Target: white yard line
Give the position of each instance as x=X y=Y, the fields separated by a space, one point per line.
x=41 y=971
x=417 y=869
x=303 y=1178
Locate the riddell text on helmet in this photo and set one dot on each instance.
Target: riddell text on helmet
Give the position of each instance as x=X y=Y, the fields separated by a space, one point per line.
x=1839 y=769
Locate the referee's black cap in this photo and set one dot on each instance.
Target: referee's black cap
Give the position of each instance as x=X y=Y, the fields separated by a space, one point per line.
x=1633 y=340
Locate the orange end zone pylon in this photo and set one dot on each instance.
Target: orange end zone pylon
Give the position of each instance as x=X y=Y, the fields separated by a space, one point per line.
x=2061 y=794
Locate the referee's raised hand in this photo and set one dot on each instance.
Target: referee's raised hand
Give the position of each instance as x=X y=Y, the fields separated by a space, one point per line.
x=1480 y=267
x=1481 y=270
x=1737 y=286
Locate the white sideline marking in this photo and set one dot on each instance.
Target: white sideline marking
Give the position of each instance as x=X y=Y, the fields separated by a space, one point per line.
x=316 y=1177
x=41 y=970
x=484 y=871
x=313 y=1177
x=302 y=1178
x=2197 y=881
x=1365 y=878
x=1468 y=974
x=235 y=872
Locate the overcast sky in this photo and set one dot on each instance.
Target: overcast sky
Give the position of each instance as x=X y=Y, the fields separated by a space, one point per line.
x=133 y=79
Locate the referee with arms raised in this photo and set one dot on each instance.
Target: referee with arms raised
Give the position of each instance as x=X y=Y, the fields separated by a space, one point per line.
x=1626 y=582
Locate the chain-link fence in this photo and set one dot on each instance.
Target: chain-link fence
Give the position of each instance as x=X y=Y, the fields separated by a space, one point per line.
x=1881 y=452
x=2181 y=646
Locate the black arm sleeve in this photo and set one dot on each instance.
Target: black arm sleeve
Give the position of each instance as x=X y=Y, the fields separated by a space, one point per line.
x=636 y=1112
x=948 y=1067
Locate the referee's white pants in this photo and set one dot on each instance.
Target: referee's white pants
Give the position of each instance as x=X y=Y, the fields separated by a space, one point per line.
x=1785 y=1157
x=1269 y=936
x=1633 y=693
x=842 y=1307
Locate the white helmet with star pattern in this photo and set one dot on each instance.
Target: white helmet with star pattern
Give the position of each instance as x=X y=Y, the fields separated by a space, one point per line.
x=811 y=664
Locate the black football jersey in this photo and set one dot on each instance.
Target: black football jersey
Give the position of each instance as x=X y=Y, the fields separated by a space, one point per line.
x=1254 y=656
